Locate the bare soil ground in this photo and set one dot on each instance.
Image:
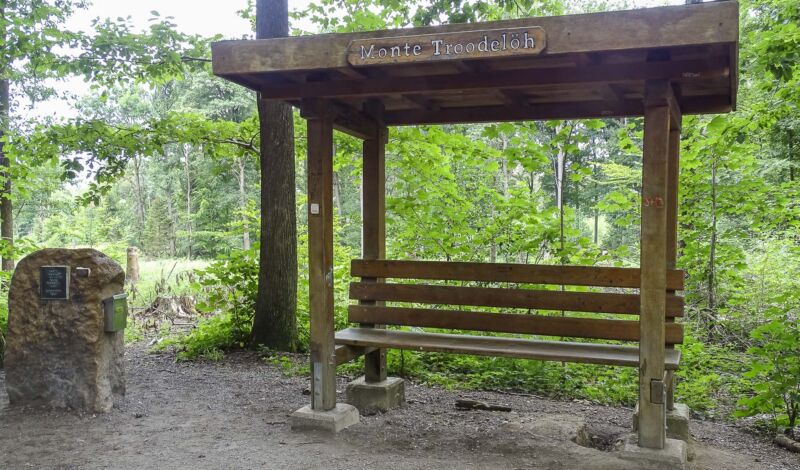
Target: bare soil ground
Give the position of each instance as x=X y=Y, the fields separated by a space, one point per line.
x=234 y=414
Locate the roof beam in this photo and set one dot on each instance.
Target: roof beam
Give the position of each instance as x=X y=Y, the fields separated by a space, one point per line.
x=673 y=70
x=535 y=112
x=345 y=119
x=672 y=26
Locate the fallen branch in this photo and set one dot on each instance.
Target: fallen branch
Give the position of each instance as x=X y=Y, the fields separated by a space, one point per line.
x=787 y=443
x=468 y=405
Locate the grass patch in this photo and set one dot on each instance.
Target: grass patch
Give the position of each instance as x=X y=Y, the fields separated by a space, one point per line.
x=164 y=277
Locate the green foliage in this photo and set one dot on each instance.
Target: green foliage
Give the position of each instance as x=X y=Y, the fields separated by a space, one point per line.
x=230 y=287
x=775 y=370
x=173 y=168
x=208 y=340
x=291 y=366
x=133 y=332
x=4 y=278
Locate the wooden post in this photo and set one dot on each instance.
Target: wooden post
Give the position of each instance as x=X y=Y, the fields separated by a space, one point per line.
x=652 y=416
x=373 y=236
x=673 y=172
x=320 y=257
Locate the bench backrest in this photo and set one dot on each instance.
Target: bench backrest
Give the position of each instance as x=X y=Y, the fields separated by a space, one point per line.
x=372 y=292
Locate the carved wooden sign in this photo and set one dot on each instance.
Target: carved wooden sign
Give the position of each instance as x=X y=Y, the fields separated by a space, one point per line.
x=447 y=46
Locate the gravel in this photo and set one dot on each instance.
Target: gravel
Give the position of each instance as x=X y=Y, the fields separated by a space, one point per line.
x=234 y=414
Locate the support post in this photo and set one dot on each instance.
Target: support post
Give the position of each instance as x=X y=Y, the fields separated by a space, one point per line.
x=373 y=236
x=320 y=260
x=375 y=391
x=673 y=172
x=652 y=416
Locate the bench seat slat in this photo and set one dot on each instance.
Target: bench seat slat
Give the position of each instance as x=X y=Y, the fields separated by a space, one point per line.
x=606 y=354
x=598 y=276
x=597 y=302
x=596 y=328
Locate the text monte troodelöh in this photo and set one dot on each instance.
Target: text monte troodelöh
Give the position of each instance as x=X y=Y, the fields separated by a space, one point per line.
x=447 y=46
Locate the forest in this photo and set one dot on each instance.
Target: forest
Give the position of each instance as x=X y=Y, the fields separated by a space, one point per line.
x=164 y=156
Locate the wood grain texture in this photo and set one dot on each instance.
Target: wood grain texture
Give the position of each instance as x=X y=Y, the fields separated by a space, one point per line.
x=595 y=328
x=598 y=276
x=373 y=207
x=345 y=353
x=546 y=111
x=606 y=354
x=320 y=262
x=597 y=302
x=478 y=44
x=673 y=186
x=652 y=431
x=673 y=26
x=688 y=70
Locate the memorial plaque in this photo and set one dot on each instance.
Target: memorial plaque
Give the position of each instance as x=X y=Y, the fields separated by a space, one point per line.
x=54 y=282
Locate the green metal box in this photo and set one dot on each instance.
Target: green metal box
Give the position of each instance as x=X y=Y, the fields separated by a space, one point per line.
x=116 y=313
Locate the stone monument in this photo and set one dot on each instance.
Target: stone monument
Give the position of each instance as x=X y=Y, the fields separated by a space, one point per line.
x=66 y=325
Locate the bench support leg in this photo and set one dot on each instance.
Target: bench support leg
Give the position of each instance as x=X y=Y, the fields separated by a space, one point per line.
x=670 y=382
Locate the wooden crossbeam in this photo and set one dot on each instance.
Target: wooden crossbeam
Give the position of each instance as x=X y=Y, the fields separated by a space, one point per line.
x=345 y=118
x=534 y=111
x=687 y=70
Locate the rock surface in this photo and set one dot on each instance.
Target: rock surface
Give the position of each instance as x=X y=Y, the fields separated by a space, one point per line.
x=58 y=354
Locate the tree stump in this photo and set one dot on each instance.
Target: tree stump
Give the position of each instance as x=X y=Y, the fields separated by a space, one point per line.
x=132 y=266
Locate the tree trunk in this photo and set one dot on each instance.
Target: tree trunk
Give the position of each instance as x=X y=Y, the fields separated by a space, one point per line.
x=6 y=206
x=596 y=193
x=139 y=191
x=274 y=323
x=559 y=180
x=337 y=195
x=173 y=250
x=187 y=169
x=243 y=204
x=712 y=261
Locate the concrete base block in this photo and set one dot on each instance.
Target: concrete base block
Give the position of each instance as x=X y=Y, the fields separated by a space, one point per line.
x=677 y=422
x=331 y=421
x=672 y=457
x=370 y=398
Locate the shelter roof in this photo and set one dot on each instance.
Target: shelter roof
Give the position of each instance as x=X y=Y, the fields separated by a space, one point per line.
x=575 y=66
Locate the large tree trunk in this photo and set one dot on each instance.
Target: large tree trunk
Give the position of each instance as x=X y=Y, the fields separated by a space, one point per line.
x=6 y=208
x=274 y=324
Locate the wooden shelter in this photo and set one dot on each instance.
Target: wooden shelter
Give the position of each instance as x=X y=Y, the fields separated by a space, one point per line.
x=659 y=63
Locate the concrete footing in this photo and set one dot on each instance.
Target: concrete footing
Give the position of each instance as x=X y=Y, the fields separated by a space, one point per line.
x=331 y=421
x=672 y=457
x=677 y=422
x=373 y=397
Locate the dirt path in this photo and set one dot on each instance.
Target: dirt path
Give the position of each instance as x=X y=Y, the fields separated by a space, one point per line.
x=234 y=414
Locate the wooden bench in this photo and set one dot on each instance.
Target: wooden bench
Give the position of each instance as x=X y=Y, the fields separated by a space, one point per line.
x=440 y=302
